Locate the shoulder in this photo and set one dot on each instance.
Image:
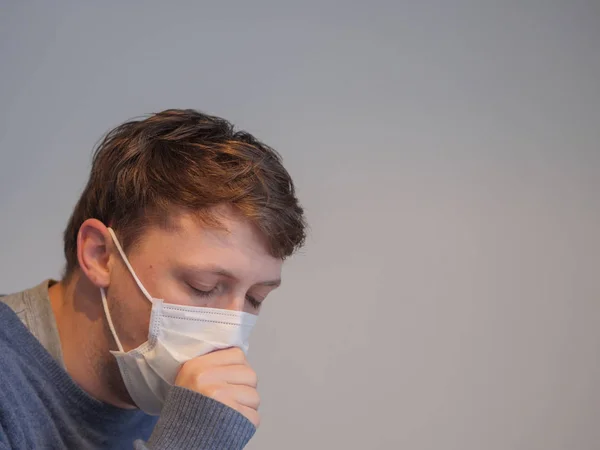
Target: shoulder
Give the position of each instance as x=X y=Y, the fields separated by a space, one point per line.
x=17 y=345
x=23 y=303
x=23 y=367
x=13 y=358
x=11 y=333
x=15 y=301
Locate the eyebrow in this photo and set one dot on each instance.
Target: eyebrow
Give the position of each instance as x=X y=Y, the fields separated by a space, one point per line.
x=227 y=274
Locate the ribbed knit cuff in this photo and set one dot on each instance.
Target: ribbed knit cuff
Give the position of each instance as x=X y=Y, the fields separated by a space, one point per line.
x=190 y=420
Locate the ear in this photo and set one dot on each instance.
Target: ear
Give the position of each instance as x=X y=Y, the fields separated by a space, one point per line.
x=94 y=245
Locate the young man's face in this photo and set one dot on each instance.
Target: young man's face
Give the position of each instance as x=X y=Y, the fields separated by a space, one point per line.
x=195 y=265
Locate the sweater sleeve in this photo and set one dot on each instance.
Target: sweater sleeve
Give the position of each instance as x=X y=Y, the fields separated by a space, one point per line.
x=191 y=420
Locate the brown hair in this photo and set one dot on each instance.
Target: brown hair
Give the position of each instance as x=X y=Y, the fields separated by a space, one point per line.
x=143 y=170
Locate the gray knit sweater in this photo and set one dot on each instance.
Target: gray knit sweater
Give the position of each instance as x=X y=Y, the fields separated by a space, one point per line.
x=42 y=407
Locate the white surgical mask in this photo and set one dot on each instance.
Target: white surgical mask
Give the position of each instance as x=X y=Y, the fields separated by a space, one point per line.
x=176 y=334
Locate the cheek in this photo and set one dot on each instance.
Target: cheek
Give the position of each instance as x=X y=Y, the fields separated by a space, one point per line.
x=130 y=313
x=157 y=278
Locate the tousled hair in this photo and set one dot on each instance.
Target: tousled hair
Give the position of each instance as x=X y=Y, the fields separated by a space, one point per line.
x=185 y=160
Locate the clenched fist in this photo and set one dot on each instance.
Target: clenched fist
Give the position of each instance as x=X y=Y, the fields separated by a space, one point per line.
x=224 y=376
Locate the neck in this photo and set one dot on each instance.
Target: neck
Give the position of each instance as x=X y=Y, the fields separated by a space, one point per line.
x=86 y=340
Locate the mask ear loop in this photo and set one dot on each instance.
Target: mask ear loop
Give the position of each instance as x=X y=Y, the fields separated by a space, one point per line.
x=110 y=322
x=126 y=261
x=137 y=280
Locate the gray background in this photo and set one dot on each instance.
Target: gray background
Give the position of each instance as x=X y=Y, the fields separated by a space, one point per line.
x=448 y=157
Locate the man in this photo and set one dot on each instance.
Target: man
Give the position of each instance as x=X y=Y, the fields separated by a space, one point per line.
x=176 y=241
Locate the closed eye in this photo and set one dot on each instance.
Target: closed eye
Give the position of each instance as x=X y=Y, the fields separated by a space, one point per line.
x=253 y=301
x=203 y=292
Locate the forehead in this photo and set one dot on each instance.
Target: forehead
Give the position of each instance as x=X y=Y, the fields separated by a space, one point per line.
x=228 y=240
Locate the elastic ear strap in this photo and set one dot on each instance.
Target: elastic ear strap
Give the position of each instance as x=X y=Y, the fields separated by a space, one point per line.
x=126 y=261
x=110 y=322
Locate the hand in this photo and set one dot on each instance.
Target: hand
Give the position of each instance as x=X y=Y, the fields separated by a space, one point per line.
x=224 y=376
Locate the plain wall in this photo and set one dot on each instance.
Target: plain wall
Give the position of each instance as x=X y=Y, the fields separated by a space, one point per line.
x=447 y=155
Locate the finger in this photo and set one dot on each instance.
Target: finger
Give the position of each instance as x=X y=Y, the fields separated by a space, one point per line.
x=226 y=357
x=236 y=375
x=245 y=395
x=233 y=394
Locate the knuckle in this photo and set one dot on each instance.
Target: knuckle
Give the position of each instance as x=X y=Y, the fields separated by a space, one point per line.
x=258 y=400
x=256 y=419
x=253 y=378
x=192 y=374
x=192 y=366
x=249 y=375
x=235 y=350
x=183 y=376
x=238 y=353
x=215 y=392
x=185 y=368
